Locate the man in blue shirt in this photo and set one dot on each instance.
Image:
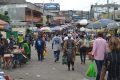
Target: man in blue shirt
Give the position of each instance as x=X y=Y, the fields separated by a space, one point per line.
x=40 y=46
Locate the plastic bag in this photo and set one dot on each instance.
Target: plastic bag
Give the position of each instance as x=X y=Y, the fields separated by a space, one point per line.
x=91 y=72
x=64 y=60
x=44 y=53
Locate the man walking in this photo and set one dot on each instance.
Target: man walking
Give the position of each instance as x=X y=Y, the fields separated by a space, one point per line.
x=56 y=46
x=99 y=50
x=40 y=46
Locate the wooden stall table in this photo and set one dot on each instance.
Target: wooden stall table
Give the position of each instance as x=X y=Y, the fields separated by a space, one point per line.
x=8 y=58
x=18 y=58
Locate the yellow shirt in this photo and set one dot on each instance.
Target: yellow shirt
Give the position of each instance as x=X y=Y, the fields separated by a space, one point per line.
x=20 y=39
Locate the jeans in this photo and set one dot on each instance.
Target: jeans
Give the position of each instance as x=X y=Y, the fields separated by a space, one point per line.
x=83 y=54
x=56 y=55
x=40 y=55
x=99 y=64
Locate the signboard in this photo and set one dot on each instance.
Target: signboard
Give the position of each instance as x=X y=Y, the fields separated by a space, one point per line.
x=51 y=6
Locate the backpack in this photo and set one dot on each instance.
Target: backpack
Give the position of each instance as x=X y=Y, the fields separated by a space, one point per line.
x=40 y=44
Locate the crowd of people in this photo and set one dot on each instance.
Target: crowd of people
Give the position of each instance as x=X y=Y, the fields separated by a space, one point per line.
x=104 y=52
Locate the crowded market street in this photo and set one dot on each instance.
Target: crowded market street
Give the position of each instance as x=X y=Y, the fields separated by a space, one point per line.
x=48 y=69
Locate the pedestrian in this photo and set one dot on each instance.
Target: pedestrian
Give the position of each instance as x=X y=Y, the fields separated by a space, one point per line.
x=69 y=46
x=12 y=42
x=56 y=46
x=98 y=51
x=112 y=62
x=28 y=38
x=2 y=48
x=83 y=49
x=26 y=49
x=20 y=40
x=40 y=46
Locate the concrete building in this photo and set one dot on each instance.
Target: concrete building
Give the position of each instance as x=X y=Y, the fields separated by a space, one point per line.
x=24 y=14
x=75 y=15
x=52 y=8
x=104 y=11
x=12 y=1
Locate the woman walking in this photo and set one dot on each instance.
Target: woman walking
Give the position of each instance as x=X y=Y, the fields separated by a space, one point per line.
x=69 y=47
x=112 y=62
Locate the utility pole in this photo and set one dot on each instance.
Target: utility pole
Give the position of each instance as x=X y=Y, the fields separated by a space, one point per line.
x=32 y=19
x=43 y=13
x=108 y=7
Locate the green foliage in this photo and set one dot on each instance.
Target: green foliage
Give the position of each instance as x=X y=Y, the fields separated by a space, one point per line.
x=5 y=18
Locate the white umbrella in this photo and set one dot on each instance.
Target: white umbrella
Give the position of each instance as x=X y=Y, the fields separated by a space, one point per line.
x=83 y=22
x=82 y=29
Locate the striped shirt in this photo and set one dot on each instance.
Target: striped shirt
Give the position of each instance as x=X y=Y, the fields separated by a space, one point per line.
x=112 y=62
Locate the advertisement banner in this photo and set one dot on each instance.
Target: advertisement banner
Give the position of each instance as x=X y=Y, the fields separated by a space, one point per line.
x=51 y=6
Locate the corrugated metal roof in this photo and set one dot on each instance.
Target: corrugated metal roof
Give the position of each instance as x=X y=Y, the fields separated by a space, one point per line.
x=106 y=5
x=11 y=1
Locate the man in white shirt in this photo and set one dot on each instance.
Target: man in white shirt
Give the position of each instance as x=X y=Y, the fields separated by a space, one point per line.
x=56 y=46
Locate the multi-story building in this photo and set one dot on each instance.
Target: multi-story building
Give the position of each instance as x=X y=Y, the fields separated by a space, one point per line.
x=52 y=8
x=11 y=1
x=24 y=14
x=104 y=11
x=74 y=15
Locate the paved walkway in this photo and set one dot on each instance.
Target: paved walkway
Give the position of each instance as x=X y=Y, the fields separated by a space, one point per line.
x=48 y=69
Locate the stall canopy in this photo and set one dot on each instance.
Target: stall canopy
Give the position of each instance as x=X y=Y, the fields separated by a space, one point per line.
x=3 y=22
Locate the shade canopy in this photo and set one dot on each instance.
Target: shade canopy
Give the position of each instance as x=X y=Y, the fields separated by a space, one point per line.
x=113 y=26
x=45 y=29
x=102 y=23
x=5 y=27
x=57 y=28
x=3 y=22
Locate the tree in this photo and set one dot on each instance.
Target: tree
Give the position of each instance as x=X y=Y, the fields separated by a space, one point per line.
x=5 y=18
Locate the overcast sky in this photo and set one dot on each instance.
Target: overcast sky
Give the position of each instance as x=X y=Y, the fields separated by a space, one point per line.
x=75 y=4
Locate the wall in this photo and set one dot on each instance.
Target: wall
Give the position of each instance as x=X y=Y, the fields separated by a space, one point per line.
x=19 y=29
x=17 y=14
